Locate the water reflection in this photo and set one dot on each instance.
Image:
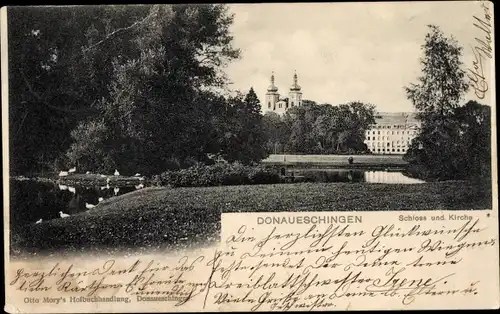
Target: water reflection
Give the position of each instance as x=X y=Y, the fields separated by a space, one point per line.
x=354 y=176
x=389 y=177
x=32 y=201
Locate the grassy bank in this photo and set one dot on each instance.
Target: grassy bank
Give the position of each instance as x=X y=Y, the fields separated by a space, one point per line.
x=169 y=218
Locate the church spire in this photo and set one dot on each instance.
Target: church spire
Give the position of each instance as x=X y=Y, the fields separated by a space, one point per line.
x=295 y=86
x=272 y=87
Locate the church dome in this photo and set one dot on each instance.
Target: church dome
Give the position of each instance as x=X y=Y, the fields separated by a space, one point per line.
x=272 y=88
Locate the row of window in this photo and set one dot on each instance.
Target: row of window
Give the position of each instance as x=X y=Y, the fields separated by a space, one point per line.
x=395 y=126
x=389 y=144
x=392 y=132
x=378 y=150
x=377 y=138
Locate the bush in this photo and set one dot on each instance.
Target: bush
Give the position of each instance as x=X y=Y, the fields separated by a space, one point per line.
x=455 y=148
x=219 y=174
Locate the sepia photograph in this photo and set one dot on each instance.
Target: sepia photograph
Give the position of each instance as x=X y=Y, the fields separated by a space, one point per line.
x=132 y=128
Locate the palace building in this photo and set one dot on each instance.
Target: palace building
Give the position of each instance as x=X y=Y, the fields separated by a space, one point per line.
x=392 y=133
x=276 y=103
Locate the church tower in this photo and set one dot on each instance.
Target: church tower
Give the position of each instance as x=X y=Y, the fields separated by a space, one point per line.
x=295 y=95
x=272 y=95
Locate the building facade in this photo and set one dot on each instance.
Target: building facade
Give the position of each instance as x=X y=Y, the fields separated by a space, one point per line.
x=393 y=133
x=276 y=103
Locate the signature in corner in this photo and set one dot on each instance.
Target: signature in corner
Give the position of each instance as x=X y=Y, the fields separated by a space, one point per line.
x=482 y=50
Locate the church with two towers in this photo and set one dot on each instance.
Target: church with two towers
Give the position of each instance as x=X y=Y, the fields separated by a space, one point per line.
x=276 y=103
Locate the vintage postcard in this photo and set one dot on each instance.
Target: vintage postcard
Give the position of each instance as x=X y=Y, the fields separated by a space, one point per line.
x=250 y=157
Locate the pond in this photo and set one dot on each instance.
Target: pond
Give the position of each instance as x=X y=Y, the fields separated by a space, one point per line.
x=353 y=176
x=31 y=200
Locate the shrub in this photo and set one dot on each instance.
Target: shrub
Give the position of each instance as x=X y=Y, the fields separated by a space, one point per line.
x=219 y=174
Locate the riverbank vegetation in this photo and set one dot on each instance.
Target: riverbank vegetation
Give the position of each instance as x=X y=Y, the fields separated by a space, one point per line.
x=220 y=174
x=156 y=218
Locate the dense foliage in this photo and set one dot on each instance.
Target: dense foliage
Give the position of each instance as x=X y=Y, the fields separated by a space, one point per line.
x=319 y=129
x=219 y=174
x=454 y=141
x=240 y=134
x=125 y=87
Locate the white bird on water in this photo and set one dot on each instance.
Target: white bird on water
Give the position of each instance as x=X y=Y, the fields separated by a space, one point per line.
x=63 y=187
x=103 y=176
x=89 y=206
x=88 y=172
x=140 y=186
x=63 y=215
x=72 y=170
x=101 y=199
x=63 y=173
x=117 y=173
x=137 y=175
x=38 y=221
x=72 y=189
x=116 y=190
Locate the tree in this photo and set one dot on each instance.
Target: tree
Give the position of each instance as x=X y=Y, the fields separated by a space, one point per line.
x=89 y=148
x=446 y=147
x=57 y=79
x=146 y=72
x=277 y=132
x=327 y=129
x=160 y=107
x=441 y=87
x=245 y=137
x=474 y=124
x=300 y=121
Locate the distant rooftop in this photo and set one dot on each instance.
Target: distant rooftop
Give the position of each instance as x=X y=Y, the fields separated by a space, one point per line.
x=395 y=117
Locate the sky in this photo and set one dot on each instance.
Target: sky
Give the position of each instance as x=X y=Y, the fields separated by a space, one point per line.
x=344 y=51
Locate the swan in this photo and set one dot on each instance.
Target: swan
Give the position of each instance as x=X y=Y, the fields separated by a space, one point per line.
x=63 y=173
x=72 y=170
x=63 y=215
x=137 y=175
x=89 y=206
x=38 y=221
x=117 y=173
x=88 y=172
x=101 y=199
